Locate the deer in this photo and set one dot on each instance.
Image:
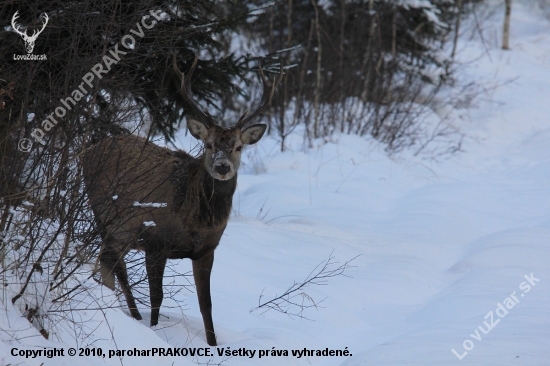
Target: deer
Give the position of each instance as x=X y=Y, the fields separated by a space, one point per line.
x=168 y=203
x=29 y=40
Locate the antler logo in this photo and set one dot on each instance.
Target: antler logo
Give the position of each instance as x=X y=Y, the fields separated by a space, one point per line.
x=29 y=40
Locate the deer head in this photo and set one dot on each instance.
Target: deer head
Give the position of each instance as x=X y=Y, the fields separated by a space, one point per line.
x=224 y=145
x=29 y=40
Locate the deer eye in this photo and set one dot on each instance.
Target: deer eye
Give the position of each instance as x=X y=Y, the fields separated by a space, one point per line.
x=239 y=148
x=208 y=146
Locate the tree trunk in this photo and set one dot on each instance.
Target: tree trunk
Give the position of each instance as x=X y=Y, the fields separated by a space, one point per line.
x=364 y=93
x=318 y=86
x=282 y=116
x=457 y=27
x=506 y=31
x=342 y=94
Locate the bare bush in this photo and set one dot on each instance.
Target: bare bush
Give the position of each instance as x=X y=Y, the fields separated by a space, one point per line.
x=50 y=240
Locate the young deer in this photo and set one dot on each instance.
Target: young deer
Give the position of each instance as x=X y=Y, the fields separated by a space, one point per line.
x=168 y=203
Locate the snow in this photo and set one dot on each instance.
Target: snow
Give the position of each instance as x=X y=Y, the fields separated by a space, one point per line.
x=149 y=223
x=440 y=245
x=149 y=204
x=219 y=155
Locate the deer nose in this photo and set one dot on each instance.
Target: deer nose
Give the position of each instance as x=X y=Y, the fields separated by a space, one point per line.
x=222 y=169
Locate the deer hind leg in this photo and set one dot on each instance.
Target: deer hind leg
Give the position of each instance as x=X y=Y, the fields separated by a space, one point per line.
x=111 y=264
x=155 y=263
x=107 y=274
x=201 y=272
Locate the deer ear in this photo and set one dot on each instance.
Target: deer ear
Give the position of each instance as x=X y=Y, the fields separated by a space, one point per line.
x=253 y=134
x=197 y=129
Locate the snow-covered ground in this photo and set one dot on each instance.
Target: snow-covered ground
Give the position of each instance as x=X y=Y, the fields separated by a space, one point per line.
x=444 y=247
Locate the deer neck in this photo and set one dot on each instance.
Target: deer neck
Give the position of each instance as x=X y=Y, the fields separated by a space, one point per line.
x=207 y=200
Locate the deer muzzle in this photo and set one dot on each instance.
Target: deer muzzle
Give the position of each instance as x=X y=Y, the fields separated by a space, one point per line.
x=222 y=168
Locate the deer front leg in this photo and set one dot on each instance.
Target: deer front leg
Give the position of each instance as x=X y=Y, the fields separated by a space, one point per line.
x=201 y=272
x=155 y=263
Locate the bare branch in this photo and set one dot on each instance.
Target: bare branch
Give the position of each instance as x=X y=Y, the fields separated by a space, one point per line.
x=294 y=300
